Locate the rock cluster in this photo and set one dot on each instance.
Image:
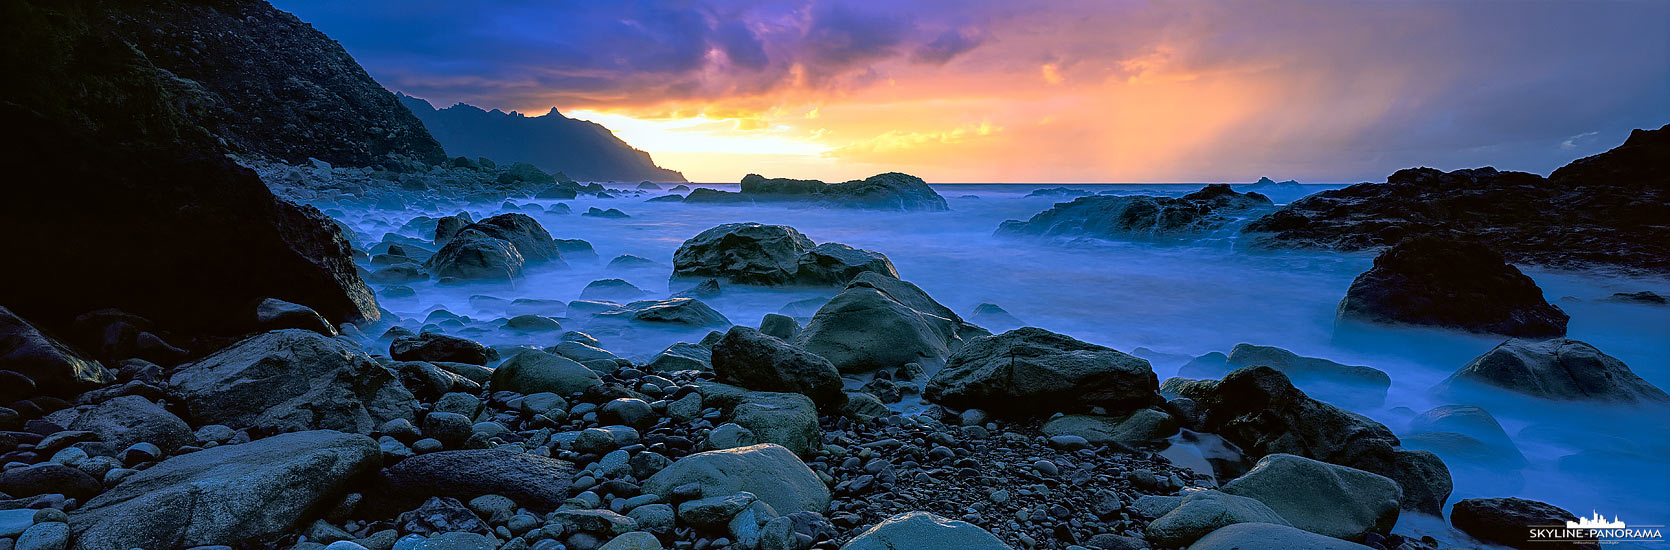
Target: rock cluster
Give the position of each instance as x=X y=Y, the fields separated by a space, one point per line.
x=889 y=191
x=1140 y=216
x=772 y=255
x=1444 y=282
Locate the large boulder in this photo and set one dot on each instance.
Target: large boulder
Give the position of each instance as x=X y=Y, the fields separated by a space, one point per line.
x=1470 y=421
x=523 y=232
x=1270 y=536
x=473 y=255
x=924 y=530
x=1508 y=522
x=772 y=473
x=534 y=371
x=889 y=191
x=130 y=419
x=880 y=321
x=787 y=419
x=54 y=367
x=1560 y=369
x=226 y=495
x=1322 y=498
x=1201 y=512
x=772 y=255
x=688 y=312
x=1320 y=378
x=1451 y=283
x=291 y=380
x=534 y=482
x=1142 y=427
x=758 y=361
x=1602 y=210
x=1260 y=411
x=435 y=347
x=1034 y=371
x=1141 y=216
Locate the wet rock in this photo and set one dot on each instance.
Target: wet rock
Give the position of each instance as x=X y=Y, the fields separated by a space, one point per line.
x=1560 y=369
x=1505 y=521
x=762 y=362
x=534 y=482
x=533 y=371
x=881 y=322
x=225 y=495
x=782 y=327
x=274 y=314
x=772 y=473
x=688 y=312
x=49 y=478
x=1138 y=428
x=441 y=348
x=472 y=255
x=1322 y=498
x=1320 y=378
x=1450 y=283
x=530 y=239
x=613 y=290
x=52 y=367
x=1424 y=478
x=787 y=419
x=1201 y=512
x=291 y=380
x=993 y=317
x=1471 y=421
x=1269 y=536
x=1032 y=370
x=1141 y=216
x=636 y=540
x=771 y=255
x=924 y=530
x=131 y=419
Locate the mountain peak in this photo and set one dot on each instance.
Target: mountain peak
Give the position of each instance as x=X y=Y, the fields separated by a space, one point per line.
x=553 y=142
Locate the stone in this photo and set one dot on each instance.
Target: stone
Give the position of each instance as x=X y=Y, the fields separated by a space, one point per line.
x=52 y=367
x=1033 y=371
x=1327 y=499
x=1561 y=369
x=682 y=356
x=582 y=352
x=1201 y=512
x=441 y=348
x=787 y=419
x=1470 y=421
x=49 y=478
x=1450 y=283
x=1270 y=536
x=1320 y=378
x=1424 y=479
x=716 y=511
x=762 y=362
x=471 y=255
x=530 y=239
x=45 y=536
x=227 y=494
x=993 y=317
x=729 y=436
x=291 y=380
x=534 y=482
x=636 y=540
x=532 y=323
x=655 y=518
x=924 y=530
x=882 y=322
x=627 y=411
x=1506 y=521
x=772 y=255
x=1141 y=217
x=769 y=471
x=1143 y=427
x=611 y=290
x=533 y=371
x=132 y=419
x=688 y=312
x=779 y=326
x=274 y=314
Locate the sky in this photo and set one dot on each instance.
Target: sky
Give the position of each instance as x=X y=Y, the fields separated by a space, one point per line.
x=1058 y=91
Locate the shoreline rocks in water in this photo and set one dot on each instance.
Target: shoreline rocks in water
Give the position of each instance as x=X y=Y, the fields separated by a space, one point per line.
x=883 y=322
x=1139 y=216
x=1527 y=218
x=889 y=191
x=1561 y=369
x=772 y=255
x=1321 y=378
x=1444 y=282
x=1031 y=370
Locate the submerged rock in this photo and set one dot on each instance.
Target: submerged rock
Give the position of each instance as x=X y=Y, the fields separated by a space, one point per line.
x=1449 y=283
x=1560 y=369
x=1322 y=378
x=772 y=255
x=879 y=321
x=1139 y=216
x=672 y=311
x=1034 y=371
x=1506 y=521
x=475 y=256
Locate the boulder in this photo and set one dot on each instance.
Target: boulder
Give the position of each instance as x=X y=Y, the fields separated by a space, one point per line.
x=534 y=482
x=534 y=371
x=472 y=255
x=1141 y=216
x=681 y=356
x=1560 y=369
x=1424 y=479
x=448 y=226
x=1270 y=536
x=435 y=347
x=780 y=326
x=54 y=367
x=1034 y=371
x=787 y=419
x=762 y=362
x=994 y=317
x=274 y=314
x=924 y=530
x=1508 y=522
x=49 y=478
x=226 y=495
x=1450 y=283
x=1470 y=421
x=1322 y=498
x=1320 y=378
x=772 y=255
x=879 y=322
x=524 y=233
x=1202 y=512
x=1143 y=427
x=772 y=473
x=130 y=419
x=688 y=312
x=291 y=380
x=889 y=191
x=611 y=290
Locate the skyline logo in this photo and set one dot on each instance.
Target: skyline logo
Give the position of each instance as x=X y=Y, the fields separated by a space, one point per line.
x=1596 y=521
x=1596 y=529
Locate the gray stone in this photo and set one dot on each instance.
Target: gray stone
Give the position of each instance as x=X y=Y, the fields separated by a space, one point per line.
x=787 y=419
x=924 y=530
x=882 y=322
x=274 y=314
x=533 y=481
x=45 y=536
x=1032 y=370
x=636 y=540
x=533 y=371
x=1202 y=512
x=1560 y=369
x=54 y=367
x=771 y=472
x=757 y=361
x=780 y=326
x=1138 y=428
x=1269 y=536
x=1322 y=498
x=131 y=419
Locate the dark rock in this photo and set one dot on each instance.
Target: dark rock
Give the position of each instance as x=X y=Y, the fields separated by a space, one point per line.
x=533 y=371
x=612 y=213
x=1646 y=297
x=780 y=326
x=530 y=239
x=613 y=290
x=290 y=380
x=435 y=347
x=1140 y=216
x=448 y=227
x=476 y=256
x=1451 y=283
x=772 y=255
x=47 y=364
x=1560 y=369
x=1605 y=210
x=1508 y=522
x=274 y=314
x=130 y=419
x=49 y=478
x=673 y=311
x=226 y=495
x=534 y=482
x=1034 y=371
x=880 y=322
x=762 y=362
x=889 y=191
x=1324 y=379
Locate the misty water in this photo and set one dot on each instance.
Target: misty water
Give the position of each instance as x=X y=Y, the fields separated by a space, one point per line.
x=1167 y=302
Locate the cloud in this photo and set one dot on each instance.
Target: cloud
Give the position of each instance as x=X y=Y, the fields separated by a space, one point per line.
x=948 y=45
